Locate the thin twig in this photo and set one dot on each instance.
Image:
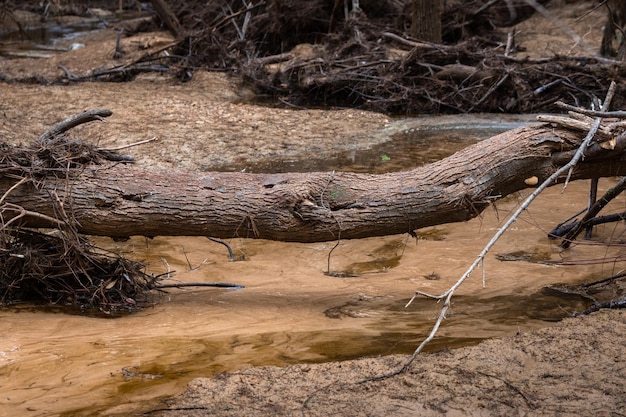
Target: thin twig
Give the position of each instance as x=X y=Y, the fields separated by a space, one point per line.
x=273 y=59
x=13 y=187
x=236 y=14
x=530 y=401
x=24 y=213
x=491 y=90
x=619 y=275
x=161 y=410
x=408 y=42
x=330 y=180
x=130 y=145
x=167 y=265
x=510 y=39
x=200 y=284
x=485 y=7
x=593 y=113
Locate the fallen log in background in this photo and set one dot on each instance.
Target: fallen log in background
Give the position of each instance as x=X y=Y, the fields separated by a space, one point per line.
x=121 y=200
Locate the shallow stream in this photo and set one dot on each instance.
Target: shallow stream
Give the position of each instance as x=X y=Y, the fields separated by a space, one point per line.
x=41 y=37
x=55 y=363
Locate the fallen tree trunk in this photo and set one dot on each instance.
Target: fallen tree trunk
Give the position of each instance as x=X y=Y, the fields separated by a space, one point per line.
x=121 y=200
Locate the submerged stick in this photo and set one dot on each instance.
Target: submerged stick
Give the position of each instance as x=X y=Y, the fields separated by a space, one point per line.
x=562 y=228
x=231 y=255
x=593 y=196
x=200 y=284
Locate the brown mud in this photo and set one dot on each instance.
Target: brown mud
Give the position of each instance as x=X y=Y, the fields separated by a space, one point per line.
x=290 y=314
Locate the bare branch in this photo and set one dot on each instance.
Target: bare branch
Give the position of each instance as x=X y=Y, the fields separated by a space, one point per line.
x=71 y=122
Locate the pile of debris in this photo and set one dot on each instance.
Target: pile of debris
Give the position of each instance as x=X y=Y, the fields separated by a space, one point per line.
x=318 y=54
x=59 y=266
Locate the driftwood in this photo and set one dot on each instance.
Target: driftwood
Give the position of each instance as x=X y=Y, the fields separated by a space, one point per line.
x=121 y=200
x=78 y=188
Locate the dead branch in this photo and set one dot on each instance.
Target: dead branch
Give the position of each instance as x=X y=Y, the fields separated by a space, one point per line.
x=593 y=212
x=606 y=304
x=574 y=124
x=125 y=71
x=130 y=145
x=596 y=113
x=410 y=43
x=236 y=14
x=562 y=229
x=71 y=122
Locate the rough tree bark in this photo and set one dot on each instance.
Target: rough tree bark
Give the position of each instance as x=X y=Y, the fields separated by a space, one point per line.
x=120 y=201
x=426 y=24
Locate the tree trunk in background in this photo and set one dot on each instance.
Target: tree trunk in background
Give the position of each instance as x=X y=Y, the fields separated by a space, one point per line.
x=426 y=15
x=121 y=200
x=167 y=16
x=614 y=30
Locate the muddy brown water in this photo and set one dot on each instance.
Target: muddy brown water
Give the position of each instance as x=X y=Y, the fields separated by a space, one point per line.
x=290 y=311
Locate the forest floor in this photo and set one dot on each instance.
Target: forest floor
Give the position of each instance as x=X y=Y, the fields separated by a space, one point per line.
x=574 y=368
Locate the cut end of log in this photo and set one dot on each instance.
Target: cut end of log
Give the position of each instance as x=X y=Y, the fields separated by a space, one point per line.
x=531 y=180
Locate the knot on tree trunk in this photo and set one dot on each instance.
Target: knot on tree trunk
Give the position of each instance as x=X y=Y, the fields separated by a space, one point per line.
x=309 y=211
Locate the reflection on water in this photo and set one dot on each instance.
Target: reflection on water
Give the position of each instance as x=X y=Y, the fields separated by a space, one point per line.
x=39 y=39
x=412 y=145
x=290 y=311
